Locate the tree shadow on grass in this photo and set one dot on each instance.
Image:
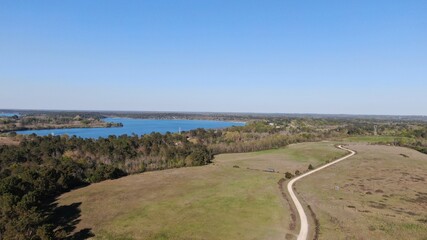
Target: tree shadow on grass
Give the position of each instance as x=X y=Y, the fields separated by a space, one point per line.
x=65 y=219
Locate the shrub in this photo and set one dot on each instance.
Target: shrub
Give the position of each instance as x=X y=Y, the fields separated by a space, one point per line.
x=289 y=175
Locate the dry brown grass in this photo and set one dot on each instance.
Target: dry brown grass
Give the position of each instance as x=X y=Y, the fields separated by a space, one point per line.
x=8 y=141
x=381 y=193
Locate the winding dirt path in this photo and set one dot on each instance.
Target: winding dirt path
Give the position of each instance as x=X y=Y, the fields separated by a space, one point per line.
x=304 y=223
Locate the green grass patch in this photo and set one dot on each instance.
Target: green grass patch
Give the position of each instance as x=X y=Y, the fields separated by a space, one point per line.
x=377 y=139
x=217 y=201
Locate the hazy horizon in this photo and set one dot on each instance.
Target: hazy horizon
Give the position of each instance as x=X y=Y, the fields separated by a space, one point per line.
x=208 y=112
x=329 y=57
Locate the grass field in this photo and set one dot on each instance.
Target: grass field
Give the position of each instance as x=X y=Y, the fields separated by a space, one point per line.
x=377 y=139
x=380 y=193
x=217 y=201
x=292 y=158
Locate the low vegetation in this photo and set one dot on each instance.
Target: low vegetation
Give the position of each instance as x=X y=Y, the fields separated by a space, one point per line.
x=376 y=194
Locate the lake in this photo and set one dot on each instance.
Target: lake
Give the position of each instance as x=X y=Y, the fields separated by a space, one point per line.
x=137 y=126
x=2 y=114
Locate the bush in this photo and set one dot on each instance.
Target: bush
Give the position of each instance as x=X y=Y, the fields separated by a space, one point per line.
x=289 y=175
x=310 y=167
x=104 y=172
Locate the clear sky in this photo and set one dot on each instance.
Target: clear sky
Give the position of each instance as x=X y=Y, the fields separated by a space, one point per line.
x=356 y=57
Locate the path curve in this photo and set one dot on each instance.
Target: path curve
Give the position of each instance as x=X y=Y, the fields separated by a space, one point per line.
x=303 y=233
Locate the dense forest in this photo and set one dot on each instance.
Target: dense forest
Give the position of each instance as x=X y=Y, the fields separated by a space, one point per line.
x=38 y=169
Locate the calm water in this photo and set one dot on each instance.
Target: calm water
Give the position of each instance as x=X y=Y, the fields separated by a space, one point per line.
x=137 y=126
x=2 y=114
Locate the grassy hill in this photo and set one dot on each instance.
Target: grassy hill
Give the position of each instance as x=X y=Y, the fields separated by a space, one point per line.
x=234 y=198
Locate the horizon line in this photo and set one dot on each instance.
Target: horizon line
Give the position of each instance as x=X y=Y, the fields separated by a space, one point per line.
x=211 y=112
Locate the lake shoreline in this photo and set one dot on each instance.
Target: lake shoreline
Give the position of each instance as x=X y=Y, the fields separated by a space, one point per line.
x=133 y=126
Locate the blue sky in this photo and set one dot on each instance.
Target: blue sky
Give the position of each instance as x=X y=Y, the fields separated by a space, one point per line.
x=355 y=57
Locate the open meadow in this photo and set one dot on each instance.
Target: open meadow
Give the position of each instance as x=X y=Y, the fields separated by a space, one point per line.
x=380 y=193
x=233 y=198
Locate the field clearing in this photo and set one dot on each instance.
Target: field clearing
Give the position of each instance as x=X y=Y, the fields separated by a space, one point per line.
x=8 y=141
x=291 y=158
x=217 y=201
x=377 y=139
x=380 y=193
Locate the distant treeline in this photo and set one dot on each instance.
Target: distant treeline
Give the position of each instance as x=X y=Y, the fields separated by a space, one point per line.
x=216 y=115
x=53 y=120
